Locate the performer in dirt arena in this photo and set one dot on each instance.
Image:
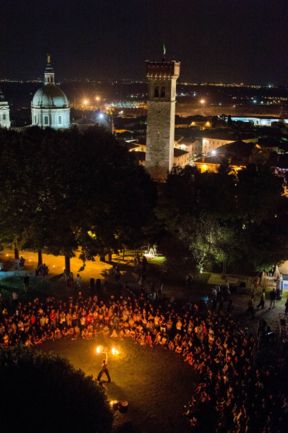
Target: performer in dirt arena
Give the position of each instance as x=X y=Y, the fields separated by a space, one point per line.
x=104 y=370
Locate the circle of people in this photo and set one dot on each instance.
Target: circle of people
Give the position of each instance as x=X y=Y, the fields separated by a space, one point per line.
x=232 y=394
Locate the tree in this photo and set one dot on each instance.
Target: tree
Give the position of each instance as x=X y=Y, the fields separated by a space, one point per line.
x=64 y=190
x=195 y=208
x=44 y=392
x=233 y=220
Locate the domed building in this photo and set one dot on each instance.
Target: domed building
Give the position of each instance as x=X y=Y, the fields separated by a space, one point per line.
x=50 y=106
x=4 y=112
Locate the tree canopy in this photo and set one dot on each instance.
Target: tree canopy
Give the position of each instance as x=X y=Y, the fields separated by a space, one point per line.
x=41 y=392
x=67 y=190
x=62 y=190
x=225 y=219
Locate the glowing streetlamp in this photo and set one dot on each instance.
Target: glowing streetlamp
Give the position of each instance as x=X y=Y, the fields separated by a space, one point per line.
x=101 y=116
x=97 y=98
x=85 y=102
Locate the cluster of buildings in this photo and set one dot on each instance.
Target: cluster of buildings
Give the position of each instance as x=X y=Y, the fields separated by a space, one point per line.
x=166 y=144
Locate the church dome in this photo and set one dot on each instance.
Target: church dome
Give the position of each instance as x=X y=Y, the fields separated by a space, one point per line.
x=50 y=106
x=50 y=96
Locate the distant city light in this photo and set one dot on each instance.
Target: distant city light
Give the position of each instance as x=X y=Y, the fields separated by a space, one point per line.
x=101 y=116
x=202 y=101
x=97 y=98
x=85 y=101
x=213 y=152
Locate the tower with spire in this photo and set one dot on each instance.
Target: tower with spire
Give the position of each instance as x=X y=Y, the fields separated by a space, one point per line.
x=50 y=106
x=161 y=77
x=49 y=75
x=4 y=112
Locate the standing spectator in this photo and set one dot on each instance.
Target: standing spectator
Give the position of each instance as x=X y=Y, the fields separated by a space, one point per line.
x=161 y=290
x=272 y=298
x=144 y=265
x=98 y=287
x=286 y=306
x=92 y=286
x=26 y=281
x=214 y=298
x=251 y=309
x=278 y=293
x=14 y=299
x=21 y=262
x=78 y=281
x=262 y=300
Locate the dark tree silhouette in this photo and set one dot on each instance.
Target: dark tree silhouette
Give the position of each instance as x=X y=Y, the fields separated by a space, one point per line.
x=41 y=392
x=64 y=190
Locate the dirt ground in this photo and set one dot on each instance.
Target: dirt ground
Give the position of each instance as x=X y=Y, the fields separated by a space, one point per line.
x=155 y=382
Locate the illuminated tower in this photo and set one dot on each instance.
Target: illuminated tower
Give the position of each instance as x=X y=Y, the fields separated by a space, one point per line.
x=162 y=77
x=4 y=112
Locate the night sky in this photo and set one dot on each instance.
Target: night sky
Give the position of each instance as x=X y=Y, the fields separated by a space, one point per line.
x=216 y=40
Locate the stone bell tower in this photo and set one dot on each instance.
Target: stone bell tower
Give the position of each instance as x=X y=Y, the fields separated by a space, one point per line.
x=162 y=77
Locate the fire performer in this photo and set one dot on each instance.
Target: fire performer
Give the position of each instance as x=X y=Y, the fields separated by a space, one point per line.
x=104 y=370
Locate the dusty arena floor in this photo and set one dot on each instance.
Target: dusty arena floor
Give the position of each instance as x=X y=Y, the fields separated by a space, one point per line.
x=155 y=382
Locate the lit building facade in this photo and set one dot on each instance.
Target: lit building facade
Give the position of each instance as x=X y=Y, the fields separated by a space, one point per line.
x=162 y=77
x=50 y=106
x=4 y=112
x=210 y=144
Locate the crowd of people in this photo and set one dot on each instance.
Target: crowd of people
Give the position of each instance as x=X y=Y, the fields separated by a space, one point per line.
x=232 y=394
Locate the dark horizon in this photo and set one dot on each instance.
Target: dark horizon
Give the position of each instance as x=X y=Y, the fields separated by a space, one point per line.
x=215 y=40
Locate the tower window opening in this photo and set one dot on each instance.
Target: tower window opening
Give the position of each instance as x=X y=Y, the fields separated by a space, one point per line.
x=4 y=116
x=46 y=120
x=156 y=92
x=162 y=92
x=60 y=120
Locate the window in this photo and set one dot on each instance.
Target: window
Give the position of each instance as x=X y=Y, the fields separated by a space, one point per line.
x=35 y=119
x=162 y=92
x=4 y=116
x=60 y=120
x=156 y=92
x=46 y=120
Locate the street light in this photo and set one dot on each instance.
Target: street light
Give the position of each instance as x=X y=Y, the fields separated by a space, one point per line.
x=202 y=102
x=101 y=116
